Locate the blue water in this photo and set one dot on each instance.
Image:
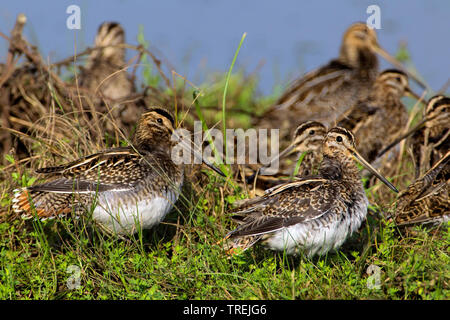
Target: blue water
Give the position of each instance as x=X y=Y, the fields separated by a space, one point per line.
x=284 y=38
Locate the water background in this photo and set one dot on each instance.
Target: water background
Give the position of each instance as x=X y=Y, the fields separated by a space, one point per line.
x=284 y=38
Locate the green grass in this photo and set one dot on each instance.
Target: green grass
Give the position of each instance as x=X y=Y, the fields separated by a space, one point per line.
x=180 y=259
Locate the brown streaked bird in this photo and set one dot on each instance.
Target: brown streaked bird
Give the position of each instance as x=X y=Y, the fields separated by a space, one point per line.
x=105 y=71
x=106 y=78
x=307 y=141
x=432 y=140
x=126 y=187
x=427 y=200
x=379 y=119
x=430 y=137
x=324 y=94
x=314 y=214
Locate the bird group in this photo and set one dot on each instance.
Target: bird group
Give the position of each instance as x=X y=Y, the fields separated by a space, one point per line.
x=344 y=111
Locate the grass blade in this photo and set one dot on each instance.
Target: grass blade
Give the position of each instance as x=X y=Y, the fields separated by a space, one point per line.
x=225 y=93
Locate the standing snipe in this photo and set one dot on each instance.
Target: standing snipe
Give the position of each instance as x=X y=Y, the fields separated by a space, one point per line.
x=127 y=186
x=312 y=215
x=308 y=140
x=427 y=200
x=105 y=71
x=107 y=81
x=431 y=140
x=324 y=94
x=378 y=120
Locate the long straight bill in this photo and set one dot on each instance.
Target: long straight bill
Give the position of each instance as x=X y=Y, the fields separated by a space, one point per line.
x=373 y=170
x=398 y=65
x=413 y=94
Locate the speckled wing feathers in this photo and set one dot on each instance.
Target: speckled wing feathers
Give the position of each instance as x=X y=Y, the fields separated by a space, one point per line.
x=428 y=198
x=118 y=169
x=305 y=201
x=64 y=185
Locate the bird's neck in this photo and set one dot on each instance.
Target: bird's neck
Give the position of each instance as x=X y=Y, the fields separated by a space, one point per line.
x=360 y=58
x=311 y=162
x=338 y=168
x=152 y=147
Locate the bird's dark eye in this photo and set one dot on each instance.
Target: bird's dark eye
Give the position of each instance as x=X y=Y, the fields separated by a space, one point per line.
x=339 y=139
x=398 y=79
x=312 y=132
x=159 y=120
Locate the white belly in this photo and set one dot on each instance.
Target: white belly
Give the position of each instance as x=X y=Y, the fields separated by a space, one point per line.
x=313 y=238
x=305 y=238
x=128 y=218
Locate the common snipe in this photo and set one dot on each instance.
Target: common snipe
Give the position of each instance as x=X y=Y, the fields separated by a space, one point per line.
x=324 y=94
x=430 y=137
x=427 y=200
x=307 y=140
x=314 y=214
x=105 y=70
x=127 y=186
x=378 y=120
